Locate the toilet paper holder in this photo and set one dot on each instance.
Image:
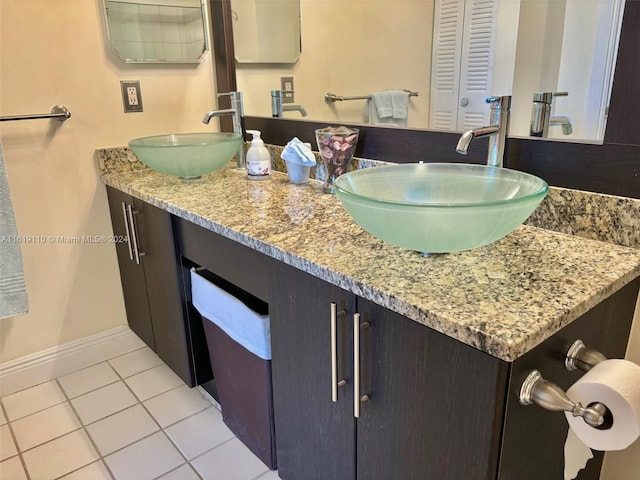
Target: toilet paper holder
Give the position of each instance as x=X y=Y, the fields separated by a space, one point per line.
x=536 y=390
x=581 y=357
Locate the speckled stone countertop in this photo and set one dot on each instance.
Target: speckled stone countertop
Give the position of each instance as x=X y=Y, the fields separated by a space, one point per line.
x=503 y=299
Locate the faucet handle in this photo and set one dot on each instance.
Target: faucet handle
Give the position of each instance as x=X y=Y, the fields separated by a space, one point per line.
x=547 y=97
x=236 y=101
x=500 y=102
x=228 y=94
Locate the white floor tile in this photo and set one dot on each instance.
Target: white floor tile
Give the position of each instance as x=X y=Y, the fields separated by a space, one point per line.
x=230 y=461
x=12 y=469
x=152 y=382
x=185 y=472
x=60 y=456
x=7 y=445
x=135 y=362
x=121 y=429
x=31 y=400
x=145 y=460
x=45 y=425
x=270 y=475
x=177 y=404
x=88 y=379
x=98 y=404
x=199 y=433
x=93 y=471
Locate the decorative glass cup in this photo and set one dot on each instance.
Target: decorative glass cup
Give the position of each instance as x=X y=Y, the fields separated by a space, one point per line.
x=336 y=146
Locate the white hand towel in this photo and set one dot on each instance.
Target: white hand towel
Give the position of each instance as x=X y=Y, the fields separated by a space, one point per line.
x=399 y=105
x=388 y=108
x=242 y=324
x=13 y=292
x=382 y=103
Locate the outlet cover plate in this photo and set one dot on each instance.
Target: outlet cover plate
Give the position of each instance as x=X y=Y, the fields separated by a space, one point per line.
x=131 y=96
x=286 y=85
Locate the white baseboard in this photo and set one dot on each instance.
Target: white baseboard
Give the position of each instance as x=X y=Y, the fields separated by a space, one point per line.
x=39 y=367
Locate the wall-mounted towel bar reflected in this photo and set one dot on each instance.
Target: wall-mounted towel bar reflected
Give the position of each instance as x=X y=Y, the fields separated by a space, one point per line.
x=59 y=112
x=332 y=97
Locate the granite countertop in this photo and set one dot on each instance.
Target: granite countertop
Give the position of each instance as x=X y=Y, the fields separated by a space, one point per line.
x=503 y=299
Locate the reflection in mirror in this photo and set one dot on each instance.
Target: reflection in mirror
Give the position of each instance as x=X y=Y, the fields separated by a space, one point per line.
x=454 y=54
x=157 y=31
x=266 y=31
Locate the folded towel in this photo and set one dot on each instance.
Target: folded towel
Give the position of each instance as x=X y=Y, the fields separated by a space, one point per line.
x=242 y=324
x=382 y=103
x=388 y=108
x=13 y=292
x=399 y=105
x=298 y=152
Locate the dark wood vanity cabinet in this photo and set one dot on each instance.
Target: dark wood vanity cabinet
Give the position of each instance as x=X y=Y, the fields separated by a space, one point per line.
x=426 y=391
x=433 y=407
x=533 y=438
x=150 y=278
x=436 y=408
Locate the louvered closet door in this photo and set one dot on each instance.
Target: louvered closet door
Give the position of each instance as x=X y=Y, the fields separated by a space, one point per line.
x=445 y=70
x=464 y=46
x=478 y=47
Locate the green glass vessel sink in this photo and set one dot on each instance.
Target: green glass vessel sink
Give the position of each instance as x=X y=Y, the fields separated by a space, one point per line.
x=187 y=155
x=439 y=207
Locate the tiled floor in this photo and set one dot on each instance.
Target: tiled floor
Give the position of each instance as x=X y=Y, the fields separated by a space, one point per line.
x=129 y=418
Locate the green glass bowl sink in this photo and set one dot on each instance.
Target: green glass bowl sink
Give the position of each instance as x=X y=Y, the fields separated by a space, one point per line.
x=439 y=207
x=187 y=155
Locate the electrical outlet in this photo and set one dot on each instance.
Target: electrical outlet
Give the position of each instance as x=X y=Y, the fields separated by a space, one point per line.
x=286 y=85
x=131 y=96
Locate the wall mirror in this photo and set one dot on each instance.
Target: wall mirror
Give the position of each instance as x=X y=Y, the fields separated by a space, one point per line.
x=452 y=54
x=157 y=31
x=266 y=31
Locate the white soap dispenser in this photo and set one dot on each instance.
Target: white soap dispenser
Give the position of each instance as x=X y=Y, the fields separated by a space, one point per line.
x=258 y=158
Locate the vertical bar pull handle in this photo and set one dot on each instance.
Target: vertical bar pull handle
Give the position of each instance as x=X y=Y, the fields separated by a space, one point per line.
x=136 y=251
x=357 y=398
x=335 y=384
x=126 y=228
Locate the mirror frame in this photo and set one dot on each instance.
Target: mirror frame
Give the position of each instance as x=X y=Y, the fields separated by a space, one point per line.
x=612 y=167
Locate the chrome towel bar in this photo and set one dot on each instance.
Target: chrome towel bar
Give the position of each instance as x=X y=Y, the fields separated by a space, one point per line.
x=332 y=97
x=59 y=112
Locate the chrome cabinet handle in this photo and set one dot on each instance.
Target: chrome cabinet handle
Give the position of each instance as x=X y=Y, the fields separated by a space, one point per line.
x=126 y=228
x=136 y=251
x=357 y=398
x=335 y=384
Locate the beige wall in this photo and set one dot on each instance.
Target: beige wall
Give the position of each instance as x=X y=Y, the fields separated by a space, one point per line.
x=625 y=464
x=54 y=52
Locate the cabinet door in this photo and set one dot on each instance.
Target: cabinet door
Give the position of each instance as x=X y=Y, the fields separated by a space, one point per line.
x=164 y=288
x=315 y=437
x=132 y=276
x=435 y=405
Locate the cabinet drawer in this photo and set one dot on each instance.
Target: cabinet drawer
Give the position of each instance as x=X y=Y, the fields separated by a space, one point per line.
x=237 y=264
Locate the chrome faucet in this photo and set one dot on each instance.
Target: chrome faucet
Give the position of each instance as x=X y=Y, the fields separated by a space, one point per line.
x=237 y=111
x=497 y=131
x=541 y=118
x=564 y=122
x=278 y=107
